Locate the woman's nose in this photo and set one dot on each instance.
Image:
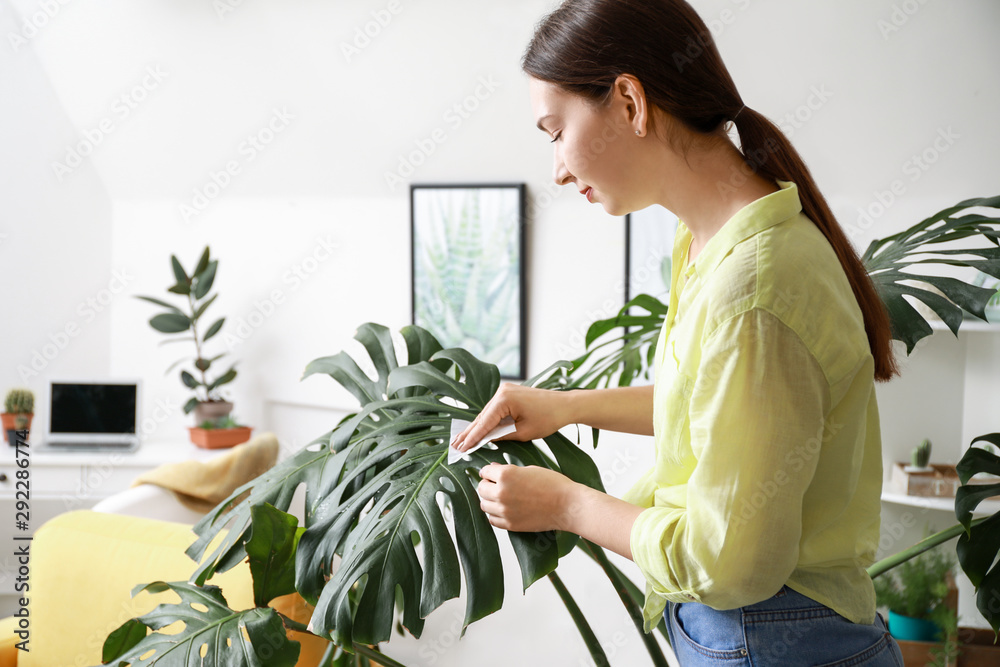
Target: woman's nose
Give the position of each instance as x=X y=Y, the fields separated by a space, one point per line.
x=561 y=174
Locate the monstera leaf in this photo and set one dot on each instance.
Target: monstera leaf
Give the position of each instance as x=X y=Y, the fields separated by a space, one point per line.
x=382 y=502
x=213 y=634
x=979 y=546
x=636 y=346
x=891 y=262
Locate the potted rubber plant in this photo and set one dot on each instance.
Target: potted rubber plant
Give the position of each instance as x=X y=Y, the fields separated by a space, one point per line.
x=185 y=323
x=19 y=408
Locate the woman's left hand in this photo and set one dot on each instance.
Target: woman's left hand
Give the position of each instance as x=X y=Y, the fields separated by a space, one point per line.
x=527 y=499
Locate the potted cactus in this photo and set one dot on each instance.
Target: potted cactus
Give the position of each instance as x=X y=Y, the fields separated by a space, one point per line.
x=184 y=323
x=920 y=458
x=19 y=408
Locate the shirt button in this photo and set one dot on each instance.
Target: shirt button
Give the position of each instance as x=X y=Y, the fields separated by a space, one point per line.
x=743 y=651
x=689 y=596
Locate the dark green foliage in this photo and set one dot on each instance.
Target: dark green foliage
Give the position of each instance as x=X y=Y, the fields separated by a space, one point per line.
x=212 y=635
x=195 y=287
x=918 y=586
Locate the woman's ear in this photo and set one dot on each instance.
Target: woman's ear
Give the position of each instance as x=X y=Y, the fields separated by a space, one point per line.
x=631 y=97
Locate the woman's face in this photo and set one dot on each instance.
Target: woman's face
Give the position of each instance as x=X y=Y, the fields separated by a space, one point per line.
x=593 y=147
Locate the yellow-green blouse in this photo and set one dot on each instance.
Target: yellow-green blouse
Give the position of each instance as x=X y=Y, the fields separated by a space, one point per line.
x=768 y=455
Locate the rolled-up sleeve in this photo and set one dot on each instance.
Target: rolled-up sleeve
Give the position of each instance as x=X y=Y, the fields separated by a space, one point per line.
x=757 y=414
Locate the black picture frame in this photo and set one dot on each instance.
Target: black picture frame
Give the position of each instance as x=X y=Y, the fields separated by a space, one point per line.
x=467 y=269
x=649 y=243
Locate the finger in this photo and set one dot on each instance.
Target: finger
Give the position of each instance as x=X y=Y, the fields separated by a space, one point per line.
x=492 y=508
x=486 y=490
x=491 y=472
x=485 y=421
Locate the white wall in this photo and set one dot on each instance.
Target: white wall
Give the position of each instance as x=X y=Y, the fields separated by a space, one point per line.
x=197 y=84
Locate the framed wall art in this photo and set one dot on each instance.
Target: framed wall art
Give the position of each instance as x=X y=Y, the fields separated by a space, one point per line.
x=467 y=263
x=649 y=244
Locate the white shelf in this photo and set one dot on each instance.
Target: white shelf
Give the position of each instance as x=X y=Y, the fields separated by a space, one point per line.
x=986 y=508
x=967 y=325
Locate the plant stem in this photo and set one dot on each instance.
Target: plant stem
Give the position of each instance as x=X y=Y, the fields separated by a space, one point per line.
x=197 y=345
x=377 y=656
x=364 y=650
x=886 y=564
x=589 y=638
x=597 y=553
x=292 y=624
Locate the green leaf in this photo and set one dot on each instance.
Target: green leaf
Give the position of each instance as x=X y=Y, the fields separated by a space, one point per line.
x=170 y=322
x=894 y=259
x=987 y=595
x=172 y=308
x=976 y=459
x=190 y=405
x=179 y=275
x=274 y=536
x=203 y=307
x=214 y=329
x=202 y=262
x=225 y=378
x=203 y=281
x=978 y=547
x=202 y=364
x=251 y=638
x=968 y=497
x=189 y=380
x=124 y=638
x=180 y=288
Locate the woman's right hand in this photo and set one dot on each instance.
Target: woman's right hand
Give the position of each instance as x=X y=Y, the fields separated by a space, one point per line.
x=537 y=413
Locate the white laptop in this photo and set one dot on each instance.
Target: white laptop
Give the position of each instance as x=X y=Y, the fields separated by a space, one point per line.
x=93 y=414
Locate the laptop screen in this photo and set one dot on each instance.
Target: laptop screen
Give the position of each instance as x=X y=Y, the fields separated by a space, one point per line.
x=93 y=408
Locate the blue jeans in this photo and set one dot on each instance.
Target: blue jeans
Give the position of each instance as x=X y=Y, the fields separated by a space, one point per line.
x=786 y=630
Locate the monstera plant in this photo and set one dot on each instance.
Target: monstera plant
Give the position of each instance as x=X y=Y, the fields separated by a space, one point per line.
x=379 y=495
x=375 y=548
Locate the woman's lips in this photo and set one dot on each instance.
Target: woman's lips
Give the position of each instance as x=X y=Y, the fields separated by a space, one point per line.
x=587 y=194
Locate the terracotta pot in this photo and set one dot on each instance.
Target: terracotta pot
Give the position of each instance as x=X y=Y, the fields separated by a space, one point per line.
x=10 y=422
x=219 y=438
x=211 y=410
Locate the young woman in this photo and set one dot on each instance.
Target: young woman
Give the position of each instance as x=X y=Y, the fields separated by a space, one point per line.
x=755 y=525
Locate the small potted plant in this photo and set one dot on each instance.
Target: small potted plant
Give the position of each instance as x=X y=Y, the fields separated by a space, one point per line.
x=916 y=594
x=219 y=433
x=920 y=458
x=19 y=408
x=184 y=323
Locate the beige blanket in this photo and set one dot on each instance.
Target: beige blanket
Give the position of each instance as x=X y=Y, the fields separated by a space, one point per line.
x=201 y=485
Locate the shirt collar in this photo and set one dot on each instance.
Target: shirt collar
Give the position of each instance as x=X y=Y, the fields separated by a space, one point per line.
x=753 y=218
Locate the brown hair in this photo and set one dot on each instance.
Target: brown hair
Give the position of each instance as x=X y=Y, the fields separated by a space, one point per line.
x=584 y=45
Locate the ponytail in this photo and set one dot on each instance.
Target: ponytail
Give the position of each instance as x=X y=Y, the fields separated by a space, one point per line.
x=768 y=152
x=584 y=45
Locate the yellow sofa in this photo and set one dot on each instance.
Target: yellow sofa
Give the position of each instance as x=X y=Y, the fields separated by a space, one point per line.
x=84 y=565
